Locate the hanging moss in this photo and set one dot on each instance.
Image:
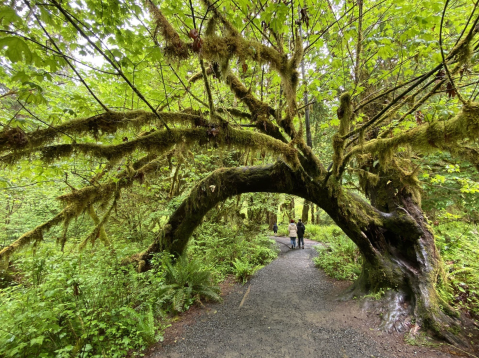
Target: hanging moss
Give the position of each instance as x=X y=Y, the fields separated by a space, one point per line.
x=218 y=15
x=97 y=231
x=102 y=233
x=366 y=176
x=102 y=124
x=13 y=138
x=211 y=26
x=34 y=236
x=216 y=48
x=175 y=47
x=80 y=200
x=345 y=113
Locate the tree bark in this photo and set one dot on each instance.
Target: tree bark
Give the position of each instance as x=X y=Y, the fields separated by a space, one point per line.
x=305 y=212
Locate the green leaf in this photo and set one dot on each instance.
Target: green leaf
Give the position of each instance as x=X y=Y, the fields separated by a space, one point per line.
x=39 y=340
x=17 y=49
x=8 y=15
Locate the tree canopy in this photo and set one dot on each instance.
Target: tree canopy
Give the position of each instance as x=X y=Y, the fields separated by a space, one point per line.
x=340 y=101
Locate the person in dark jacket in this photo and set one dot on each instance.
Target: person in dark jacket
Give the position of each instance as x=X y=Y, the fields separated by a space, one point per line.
x=301 y=230
x=275 y=228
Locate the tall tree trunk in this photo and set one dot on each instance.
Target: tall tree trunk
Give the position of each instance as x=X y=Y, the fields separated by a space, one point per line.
x=292 y=210
x=272 y=219
x=305 y=213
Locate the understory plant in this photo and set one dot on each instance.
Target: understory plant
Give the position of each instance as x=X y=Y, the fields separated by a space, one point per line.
x=66 y=304
x=338 y=256
x=187 y=281
x=232 y=251
x=459 y=245
x=88 y=304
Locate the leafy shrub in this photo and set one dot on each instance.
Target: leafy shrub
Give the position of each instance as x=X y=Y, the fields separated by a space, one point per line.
x=243 y=270
x=227 y=250
x=339 y=257
x=86 y=304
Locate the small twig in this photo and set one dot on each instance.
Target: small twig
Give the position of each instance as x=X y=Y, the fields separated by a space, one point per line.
x=9 y=93
x=187 y=89
x=208 y=89
x=38 y=119
x=47 y=48
x=358 y=46
x=257 y=28
x=467 y=23
x=38 y=182
x=204 y=17
x=164 y=88
x=444 y=58
x=320 y=35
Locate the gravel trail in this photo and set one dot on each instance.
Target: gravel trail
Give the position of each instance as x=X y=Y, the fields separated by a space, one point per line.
x=288 y=309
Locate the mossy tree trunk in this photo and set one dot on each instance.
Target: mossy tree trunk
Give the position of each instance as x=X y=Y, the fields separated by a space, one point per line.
x=272 y=219
x=397 y=245
x=305 y=212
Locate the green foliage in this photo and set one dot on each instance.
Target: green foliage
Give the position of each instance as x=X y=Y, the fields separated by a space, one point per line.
x=377 y=295
x=86 y=304
x=232 y=251
x=458 y=243
x=450 y=189
x=70 y=305
x=338 y=256
x=187 y=281
x=243 y=270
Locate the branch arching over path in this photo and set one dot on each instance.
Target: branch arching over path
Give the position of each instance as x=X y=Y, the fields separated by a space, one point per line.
x=377 y=234
x=274 y=178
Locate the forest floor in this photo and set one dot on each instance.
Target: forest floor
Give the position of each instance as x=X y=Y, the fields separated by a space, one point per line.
x=287 y=309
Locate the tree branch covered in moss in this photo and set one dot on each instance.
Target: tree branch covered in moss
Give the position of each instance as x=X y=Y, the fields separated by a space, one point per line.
x=161 y=141
x=428 y=137
x=111 y=122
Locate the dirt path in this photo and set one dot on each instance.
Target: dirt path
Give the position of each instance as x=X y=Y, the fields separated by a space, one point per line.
x=288 y=309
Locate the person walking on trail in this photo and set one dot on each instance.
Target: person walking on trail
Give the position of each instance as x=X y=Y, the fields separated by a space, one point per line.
x=275 y=228
x=293 y=232
x=301 y=230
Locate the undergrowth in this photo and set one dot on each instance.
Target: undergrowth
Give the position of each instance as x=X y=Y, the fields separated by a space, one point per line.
x=86 y=304
x=231 y=251
x=458 y=243
x=339 y=257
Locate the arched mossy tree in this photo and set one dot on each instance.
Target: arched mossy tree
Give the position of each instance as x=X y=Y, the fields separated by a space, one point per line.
x=254 y=53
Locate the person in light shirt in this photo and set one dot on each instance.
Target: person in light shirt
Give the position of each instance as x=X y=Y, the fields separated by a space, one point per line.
x=293 y=232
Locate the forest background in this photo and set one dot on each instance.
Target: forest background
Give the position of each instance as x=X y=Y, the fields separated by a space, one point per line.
x=68 y=292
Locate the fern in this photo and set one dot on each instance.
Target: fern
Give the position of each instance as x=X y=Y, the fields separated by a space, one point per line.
x=187 y=282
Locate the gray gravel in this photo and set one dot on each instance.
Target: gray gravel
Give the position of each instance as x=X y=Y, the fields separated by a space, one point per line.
x=289 y=311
